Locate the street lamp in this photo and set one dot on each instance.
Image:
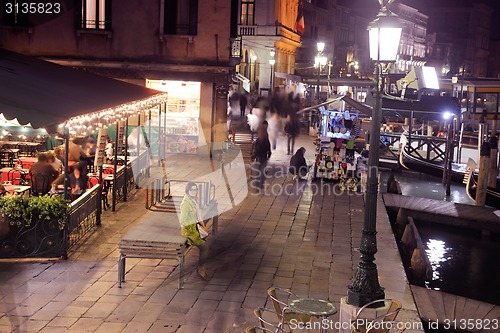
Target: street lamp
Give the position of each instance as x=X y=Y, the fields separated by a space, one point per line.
x=319 y=60
x=384 y=33
x=272 y=61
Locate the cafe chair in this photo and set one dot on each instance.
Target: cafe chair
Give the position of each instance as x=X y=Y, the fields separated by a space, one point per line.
x=281 y=306
x=390 y=325
x=40 y=184
x=6 y=159
x=276 y=327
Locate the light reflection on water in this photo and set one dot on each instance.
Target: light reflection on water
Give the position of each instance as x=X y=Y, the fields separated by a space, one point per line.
x=463 y=262
x=436 y=252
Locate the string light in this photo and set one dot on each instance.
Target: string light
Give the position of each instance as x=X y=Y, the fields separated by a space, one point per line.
x=83 y=125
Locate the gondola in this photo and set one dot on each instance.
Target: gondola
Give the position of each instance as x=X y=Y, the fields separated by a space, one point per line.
x=470 y=179
x=434 y=168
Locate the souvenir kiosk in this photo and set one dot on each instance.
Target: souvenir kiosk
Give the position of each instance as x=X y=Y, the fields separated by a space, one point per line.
x=335 y=155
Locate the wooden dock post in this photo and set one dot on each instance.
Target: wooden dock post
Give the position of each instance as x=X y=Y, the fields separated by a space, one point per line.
x=493 y=171
x=482 y=182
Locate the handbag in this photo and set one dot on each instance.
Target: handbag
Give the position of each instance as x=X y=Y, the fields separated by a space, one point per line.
x=202 y=230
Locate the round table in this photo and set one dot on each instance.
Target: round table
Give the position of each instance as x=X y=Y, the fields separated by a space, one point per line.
x=314 y=307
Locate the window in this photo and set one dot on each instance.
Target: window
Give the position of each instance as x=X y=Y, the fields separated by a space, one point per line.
x=247 y=12
x=180 y=17
x=95 y=14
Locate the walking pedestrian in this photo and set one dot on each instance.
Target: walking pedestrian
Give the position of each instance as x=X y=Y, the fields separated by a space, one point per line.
x=274 y=128
x=243 y=104
x=191 y=220
x=261 y=152
x=291 y=130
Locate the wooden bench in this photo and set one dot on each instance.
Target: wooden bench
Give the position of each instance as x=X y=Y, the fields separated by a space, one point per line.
x=157 y=236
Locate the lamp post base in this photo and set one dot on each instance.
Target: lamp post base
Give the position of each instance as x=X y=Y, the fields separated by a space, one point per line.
x=360 y=299
x=365 y=288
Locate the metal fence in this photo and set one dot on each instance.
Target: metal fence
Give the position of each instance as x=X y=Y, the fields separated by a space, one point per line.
x=83 y=215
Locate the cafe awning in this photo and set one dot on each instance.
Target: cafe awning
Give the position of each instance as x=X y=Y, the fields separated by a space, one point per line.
x=286 y=76
x=46 y=95
x=362 y=108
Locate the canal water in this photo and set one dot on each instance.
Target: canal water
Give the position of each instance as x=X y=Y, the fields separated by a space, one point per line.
x=464 y=262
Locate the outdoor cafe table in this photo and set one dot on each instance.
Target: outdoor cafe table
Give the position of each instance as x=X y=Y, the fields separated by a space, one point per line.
x=314 y=307
x=17 y=189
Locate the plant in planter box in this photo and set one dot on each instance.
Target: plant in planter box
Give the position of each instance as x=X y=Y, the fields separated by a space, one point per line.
x=26 y=210
x=14 y=207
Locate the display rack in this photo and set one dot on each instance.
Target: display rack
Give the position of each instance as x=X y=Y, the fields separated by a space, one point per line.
x=335 y=157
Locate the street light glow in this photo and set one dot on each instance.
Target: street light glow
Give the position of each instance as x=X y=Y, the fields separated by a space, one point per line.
x=447 y=115
x=320 y=46
x=387 y=27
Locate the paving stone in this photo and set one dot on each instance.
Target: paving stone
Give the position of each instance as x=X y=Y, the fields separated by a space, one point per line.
x=87 y=324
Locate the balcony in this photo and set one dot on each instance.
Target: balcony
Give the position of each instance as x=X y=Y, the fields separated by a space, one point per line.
x=268 y=30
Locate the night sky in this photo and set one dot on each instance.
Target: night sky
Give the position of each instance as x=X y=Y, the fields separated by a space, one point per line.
x=369 y=8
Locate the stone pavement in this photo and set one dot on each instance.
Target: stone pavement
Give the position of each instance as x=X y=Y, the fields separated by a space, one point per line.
x=305 y=238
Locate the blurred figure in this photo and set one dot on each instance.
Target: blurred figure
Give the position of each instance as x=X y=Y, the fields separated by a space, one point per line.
x=77 y=180
x=229 y=117
x=90 y=147
x=243 y=104
x=298 y=166
x=261 y=152
x=292 y=131
x=55 y=162
x=274 y=129
x=59 y=154
x=109 y=148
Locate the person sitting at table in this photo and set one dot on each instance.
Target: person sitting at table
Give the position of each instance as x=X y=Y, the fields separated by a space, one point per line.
x=55 y=162
x=59 y=154
x=42 y=174
x=78 y=180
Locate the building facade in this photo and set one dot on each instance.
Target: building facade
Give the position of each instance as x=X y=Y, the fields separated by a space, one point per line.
x=165 y=43
x=269 y=40
x=461 y=38
x=412 y=46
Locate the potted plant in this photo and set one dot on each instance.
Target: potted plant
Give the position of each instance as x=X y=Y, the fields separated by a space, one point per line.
x=24 y=211
x=34 y=226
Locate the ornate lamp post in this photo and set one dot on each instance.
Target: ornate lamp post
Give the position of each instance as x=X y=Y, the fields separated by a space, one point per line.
x=272 y=61
x=319 y=61
x=384 y=33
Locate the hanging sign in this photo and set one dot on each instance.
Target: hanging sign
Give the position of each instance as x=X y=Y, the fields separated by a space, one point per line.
x=121 y=137
x=101 y=147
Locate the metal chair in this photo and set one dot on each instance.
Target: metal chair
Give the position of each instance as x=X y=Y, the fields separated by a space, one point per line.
x=363 y=325
x=281 y=307
x=40 y=184
x=276 y=327
x=257 y=329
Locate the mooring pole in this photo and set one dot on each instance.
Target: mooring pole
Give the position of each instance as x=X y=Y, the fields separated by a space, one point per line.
x=482 y=181
x=493 y=170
